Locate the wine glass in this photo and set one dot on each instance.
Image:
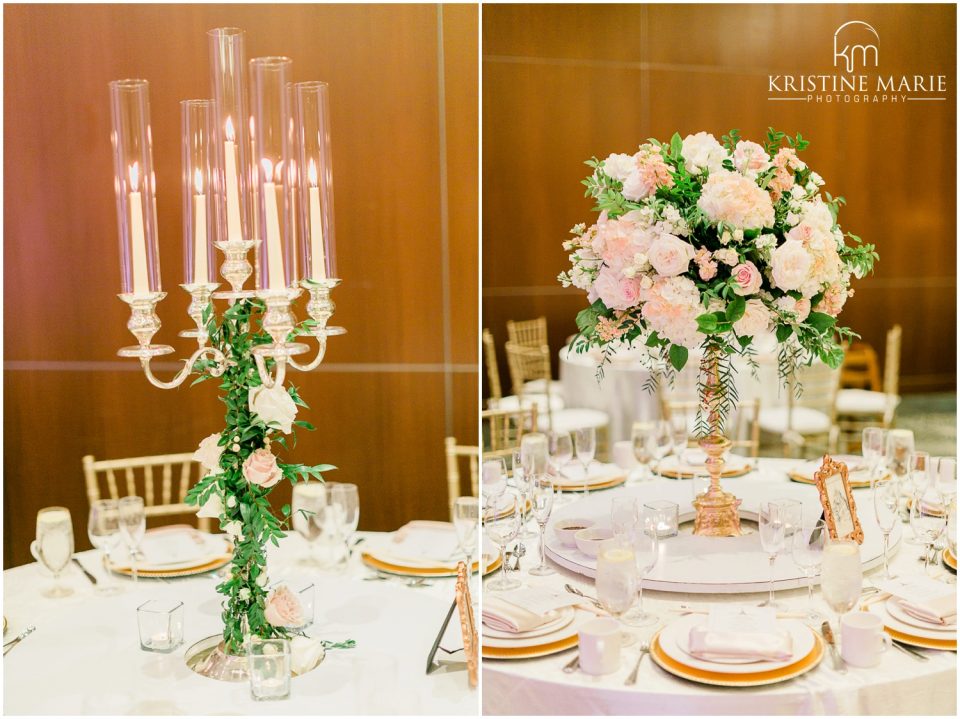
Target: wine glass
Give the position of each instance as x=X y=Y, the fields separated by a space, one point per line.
x=624 y=517
x=53 y=547
x=501 y=526
x=133 y=525
x=841 y=576
x=103 y=529
x=586 y=447
x=641 y=435
x=493 y=478
x=522 y=483
x=345 y=503
x=874 y=448
x=308 y=503
x=679 y=434
x=646 y=550
x=661 y=442
x=927 y=519
x=808 y=544
x=886 y=501
x=918 y=472
x=466 y=518
x=560 y=452
x=899 y=447
x=616 y=581
x=772 y=539
x=542 y=498
x=946 y=480
x=952 y=529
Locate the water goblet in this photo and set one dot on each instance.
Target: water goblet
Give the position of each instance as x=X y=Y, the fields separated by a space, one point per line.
x=502 y=526
x=308 y=504
x=53 y=547
x=616 y=581
x=522 y=483
x=103 y=529
x=345 y=503
x=646 y=551
x=493 y=478
x=886 y=501
x=586 y=448
x=772 y=539
x=641 y=435
x=534 y=453
x=679 y=430
x=808 y=544
x=466 y=521
x=624 y=517
x=542 y=498
x=946 y=480
x=873 y=445
x=133 y=525
x=841 y=576
x=661 y=442
x=560 y=452
x=899 y=447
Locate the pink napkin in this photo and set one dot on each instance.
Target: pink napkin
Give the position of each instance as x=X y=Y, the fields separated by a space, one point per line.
x=506 y=617
x=709 y=644
x=939 y=610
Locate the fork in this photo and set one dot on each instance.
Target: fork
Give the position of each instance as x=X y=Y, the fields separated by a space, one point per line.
x=19 y=638
x=644 y=650
x=573 y=590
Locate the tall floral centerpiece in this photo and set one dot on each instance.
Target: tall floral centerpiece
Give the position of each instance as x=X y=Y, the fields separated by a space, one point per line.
x=703 y=246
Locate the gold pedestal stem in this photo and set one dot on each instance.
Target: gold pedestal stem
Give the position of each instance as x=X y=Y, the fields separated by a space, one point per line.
x=717 y=511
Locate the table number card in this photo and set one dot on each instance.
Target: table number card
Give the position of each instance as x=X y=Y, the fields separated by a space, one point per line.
x=468 y=634
x=836 y=496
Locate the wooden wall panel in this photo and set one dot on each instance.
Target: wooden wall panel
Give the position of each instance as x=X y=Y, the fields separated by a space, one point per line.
x=565 y=82
x=388 y=392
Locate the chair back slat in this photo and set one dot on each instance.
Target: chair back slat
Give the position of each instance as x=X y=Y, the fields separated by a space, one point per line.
x=503 y=429
x=167 y=484
x=148 y=498
x=527 y=364
x=454 y=453
x=131 y=482
x=528 y=333
x=493 y=369
x=891 y=361
x=112 y=485
x=185 y=476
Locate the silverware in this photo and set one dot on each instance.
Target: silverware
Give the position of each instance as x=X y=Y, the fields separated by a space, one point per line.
x=573 y=590
x=838 y=664
x=19 y=638
x=573 y=665
x=93 y=579
x=910 y=650
x=644 y=650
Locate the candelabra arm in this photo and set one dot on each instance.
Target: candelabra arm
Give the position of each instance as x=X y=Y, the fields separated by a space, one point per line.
x=321 y=351
x=265 y=377
x=320 y=308
x=215 y=354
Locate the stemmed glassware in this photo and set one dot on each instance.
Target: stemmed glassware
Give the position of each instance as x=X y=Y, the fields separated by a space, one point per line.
x=679 y=432
x=493 y=479
x=661 y=442
x=808 y=544
x=466 y=518
x=918 y=472
x=899 y=447
x=53 y=547
x=886 y=503
x=308 y=504
x=616 y=581
x=946 y=480
x=560 y=453
x=624 y=517
x=502 y=526
x=641 y=435
x=586 y=447
x=133 y=525
x=103 y=529
x=646 y=551
x=522 y=482
x=927 y=521
x=345 y=504
x=772 y=539
x=542 y=498
x=873 y=444
x=841 y=577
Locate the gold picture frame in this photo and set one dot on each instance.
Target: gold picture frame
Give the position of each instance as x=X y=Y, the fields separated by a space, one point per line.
x=836 y=497
x=468 y=626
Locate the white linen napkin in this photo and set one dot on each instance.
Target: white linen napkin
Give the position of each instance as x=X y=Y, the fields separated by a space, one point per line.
x=924 y=598
x=305 y=654
x=506 y=617
x=174 y=547
x=741 y=633
x=940 y=610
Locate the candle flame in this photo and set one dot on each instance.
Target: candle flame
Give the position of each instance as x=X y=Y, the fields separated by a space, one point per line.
x=228 y=129
x=134 y=176
x=267 y=169
x=312 y=172
x=198 y=181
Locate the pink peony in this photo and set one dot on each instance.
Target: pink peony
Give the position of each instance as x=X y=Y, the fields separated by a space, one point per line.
x=702 y=152
x=833 y=300
x=616 y=291
x=670 y=256
x=261 y=469
x=789 y=265
x=735 y=200
x=283 y=608
x=748 y=279
x=755 y=320
x=750 y=158
x=617 y=241
x=671 y=307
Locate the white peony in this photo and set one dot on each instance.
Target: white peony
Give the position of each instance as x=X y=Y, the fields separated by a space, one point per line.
x=670 y=256
x=755 y=320
x=817 y=215
x=208 y=453
x=735 y=200
x=790 y=265
x=212 y=508
x=618 y=166
x=702 y=152
x=274 y=406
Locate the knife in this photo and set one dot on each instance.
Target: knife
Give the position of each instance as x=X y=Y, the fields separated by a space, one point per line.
x=93 y=579
x=838 y=663
x=910 y=650
x=572 y=666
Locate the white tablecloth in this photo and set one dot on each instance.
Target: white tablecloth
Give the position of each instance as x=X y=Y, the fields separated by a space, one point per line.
x=85 y=658
x=899 y=685
x=621 y=394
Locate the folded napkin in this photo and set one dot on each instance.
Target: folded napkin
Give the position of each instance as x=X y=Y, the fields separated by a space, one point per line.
x=938 y=610
x=174 y=547
x=305 y=654
x=710 y=644
x=421 y=544
x=506 y=617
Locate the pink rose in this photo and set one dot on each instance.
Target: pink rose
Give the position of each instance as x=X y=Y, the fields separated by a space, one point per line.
x=708 y=270
x=748 y=279
x=755 y=320
x=790 y=265
x=670 y=256
x=283 y=608
x=802 y=309
x=261 y=469
x=617 y=292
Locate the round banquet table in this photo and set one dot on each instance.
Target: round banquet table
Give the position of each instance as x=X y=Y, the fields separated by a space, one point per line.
x=622 y=393
x=85 y=657
x=899 y=685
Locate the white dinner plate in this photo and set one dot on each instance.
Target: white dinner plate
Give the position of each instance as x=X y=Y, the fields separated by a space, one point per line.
x=599 y=474
x=675 y=636
x=210 y=548
x=900 y=614
x=562 y=617
x=557 y=635
x=694 y=462
x=880 y=609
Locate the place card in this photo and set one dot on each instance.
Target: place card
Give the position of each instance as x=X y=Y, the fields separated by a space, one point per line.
x=539 y=600
x=742 y=618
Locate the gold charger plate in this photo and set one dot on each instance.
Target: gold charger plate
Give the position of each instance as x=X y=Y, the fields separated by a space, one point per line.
x=513 y=508
x=403 y=571
x=720 y=679
x=210 y=566
x=726 y=474
x=950 y=559
x=863 y=484
x=949 y=645
x=615 y=482
x=539 y=650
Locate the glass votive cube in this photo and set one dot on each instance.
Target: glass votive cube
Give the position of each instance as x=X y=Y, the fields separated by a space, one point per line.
x=161 y=625
x=304 y=593
x=268 y=662
x=664 y=517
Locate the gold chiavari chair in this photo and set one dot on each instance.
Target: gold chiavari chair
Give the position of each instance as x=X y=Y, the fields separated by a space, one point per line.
x=493 y=369
x=742 y=427
x=860 y=408
x=529 y=397
x=503 y=429
x=455 y=453
x=123 y=476
x=808 y=423
x=528 y=333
